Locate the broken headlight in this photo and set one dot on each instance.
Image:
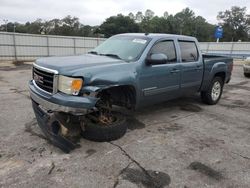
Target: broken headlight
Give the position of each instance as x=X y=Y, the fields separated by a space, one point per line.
x=69 y=85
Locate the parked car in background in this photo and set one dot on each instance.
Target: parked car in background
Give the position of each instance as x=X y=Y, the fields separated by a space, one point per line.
x=127 y=70
x=246 y=67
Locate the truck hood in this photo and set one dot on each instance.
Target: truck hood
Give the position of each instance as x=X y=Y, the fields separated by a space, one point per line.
x=73 y=64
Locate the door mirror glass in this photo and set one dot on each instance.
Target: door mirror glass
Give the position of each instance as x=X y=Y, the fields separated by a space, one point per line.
x=156 y=59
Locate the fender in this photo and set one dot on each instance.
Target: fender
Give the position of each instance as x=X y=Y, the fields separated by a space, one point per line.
x=219 y=67
x=124 y=76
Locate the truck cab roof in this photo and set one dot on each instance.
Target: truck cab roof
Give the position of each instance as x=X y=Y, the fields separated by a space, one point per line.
x=159 y=36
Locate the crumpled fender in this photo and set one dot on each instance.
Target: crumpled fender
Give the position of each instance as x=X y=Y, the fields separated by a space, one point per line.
x=97 y=88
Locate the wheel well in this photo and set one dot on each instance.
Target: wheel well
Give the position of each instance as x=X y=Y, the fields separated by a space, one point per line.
x=121 y=95
x=222 y=75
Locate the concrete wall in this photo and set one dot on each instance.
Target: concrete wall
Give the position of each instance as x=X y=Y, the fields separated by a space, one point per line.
x=27 y=47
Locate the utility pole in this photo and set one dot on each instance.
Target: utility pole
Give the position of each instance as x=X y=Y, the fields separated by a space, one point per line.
x=6 y=22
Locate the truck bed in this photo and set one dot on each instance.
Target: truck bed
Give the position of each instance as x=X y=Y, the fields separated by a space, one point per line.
x=217 y=58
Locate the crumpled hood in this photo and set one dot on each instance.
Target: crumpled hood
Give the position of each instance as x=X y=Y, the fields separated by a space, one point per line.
x=72 y=64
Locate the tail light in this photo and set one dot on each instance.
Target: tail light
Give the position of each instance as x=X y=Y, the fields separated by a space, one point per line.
x=230 y=67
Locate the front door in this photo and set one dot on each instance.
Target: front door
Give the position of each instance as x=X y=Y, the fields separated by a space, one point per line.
x=160 y=82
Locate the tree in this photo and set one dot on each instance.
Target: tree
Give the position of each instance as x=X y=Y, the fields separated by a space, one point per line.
x=54 y=27
x=203 y=30
x=235 y=23
x=34 y=27
x=131 y=15
x=184 y=21
x=154 y=25
x=165 y=15
x=70 y=26
x=139 y=16
x=149 y=14
x=118 y=24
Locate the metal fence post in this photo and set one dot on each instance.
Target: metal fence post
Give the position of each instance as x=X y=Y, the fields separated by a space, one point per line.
x=208 y=44
x=74 y=40
x=84 y=45
x=48 y=53
x=14 y=45
x=232 y=48
x=98 y=41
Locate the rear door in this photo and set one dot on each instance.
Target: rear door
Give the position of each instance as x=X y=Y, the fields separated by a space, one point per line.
x=191 y=66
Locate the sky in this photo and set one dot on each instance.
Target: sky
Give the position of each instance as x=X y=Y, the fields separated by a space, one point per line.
x=94 y=12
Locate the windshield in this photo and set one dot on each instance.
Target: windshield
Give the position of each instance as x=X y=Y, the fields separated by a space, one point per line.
x=127 y=48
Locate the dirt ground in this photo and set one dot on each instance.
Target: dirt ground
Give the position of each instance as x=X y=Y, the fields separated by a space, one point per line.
x=181 y=143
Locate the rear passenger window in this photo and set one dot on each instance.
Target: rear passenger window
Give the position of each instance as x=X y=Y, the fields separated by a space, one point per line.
x=189 y=51
x=167 y=48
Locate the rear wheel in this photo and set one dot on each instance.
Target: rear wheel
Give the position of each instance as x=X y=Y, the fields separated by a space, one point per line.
x=213 y=94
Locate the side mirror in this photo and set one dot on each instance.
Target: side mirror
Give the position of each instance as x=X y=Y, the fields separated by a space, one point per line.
x=156 y=59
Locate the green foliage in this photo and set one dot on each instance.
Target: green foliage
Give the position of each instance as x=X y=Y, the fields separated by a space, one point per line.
x=235 y=22
x=139 y=16
x=68 y=26
x=183 y=23
x=118 y=24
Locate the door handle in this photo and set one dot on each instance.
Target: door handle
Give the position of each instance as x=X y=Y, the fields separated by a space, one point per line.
x=198 y=68
x=174 y=71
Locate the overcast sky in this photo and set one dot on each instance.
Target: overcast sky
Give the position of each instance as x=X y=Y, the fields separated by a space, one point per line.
x=94 y=12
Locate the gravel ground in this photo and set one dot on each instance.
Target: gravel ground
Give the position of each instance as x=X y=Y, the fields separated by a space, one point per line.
x=181 y=143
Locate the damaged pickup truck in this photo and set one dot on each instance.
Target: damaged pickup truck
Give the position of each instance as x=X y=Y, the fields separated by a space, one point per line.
x=74 y=95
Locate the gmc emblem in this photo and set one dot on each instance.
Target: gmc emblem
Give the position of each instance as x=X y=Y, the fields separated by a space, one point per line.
x=38 y=78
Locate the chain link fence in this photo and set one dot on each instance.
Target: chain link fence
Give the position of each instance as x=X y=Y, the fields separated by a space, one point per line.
x=233 y=49
x=27 y=47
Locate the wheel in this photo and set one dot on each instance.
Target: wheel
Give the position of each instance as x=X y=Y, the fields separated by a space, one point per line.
x=213 y=94
x=247 y=75
x=101 y=132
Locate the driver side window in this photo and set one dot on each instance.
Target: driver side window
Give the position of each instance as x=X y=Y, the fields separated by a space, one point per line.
x=167 y=48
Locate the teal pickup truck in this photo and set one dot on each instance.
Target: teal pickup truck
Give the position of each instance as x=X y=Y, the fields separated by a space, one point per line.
x=74 y=95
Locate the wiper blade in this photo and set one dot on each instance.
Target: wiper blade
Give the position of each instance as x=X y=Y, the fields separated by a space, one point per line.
x=93 y=52
x=111 y=55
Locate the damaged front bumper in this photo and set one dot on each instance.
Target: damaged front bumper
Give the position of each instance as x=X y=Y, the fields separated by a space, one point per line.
x=61 y=102
x=51 y=129
x=45 y=104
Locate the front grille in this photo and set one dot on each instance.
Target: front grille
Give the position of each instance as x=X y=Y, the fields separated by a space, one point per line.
x=43 y=79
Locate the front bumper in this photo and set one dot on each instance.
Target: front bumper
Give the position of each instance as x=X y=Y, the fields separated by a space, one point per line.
x=50 y=127
x=61 y=102
x=246 y=68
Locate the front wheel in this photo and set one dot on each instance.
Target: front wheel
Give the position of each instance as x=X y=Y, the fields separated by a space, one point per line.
x=104 y=131
x=213 y=94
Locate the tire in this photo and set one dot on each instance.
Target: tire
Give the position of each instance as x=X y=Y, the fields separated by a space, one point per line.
x=247 y=75
x=213 y=95
x=104 y=133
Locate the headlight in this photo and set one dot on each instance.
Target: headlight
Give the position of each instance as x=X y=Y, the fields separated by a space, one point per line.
x=69 y=85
